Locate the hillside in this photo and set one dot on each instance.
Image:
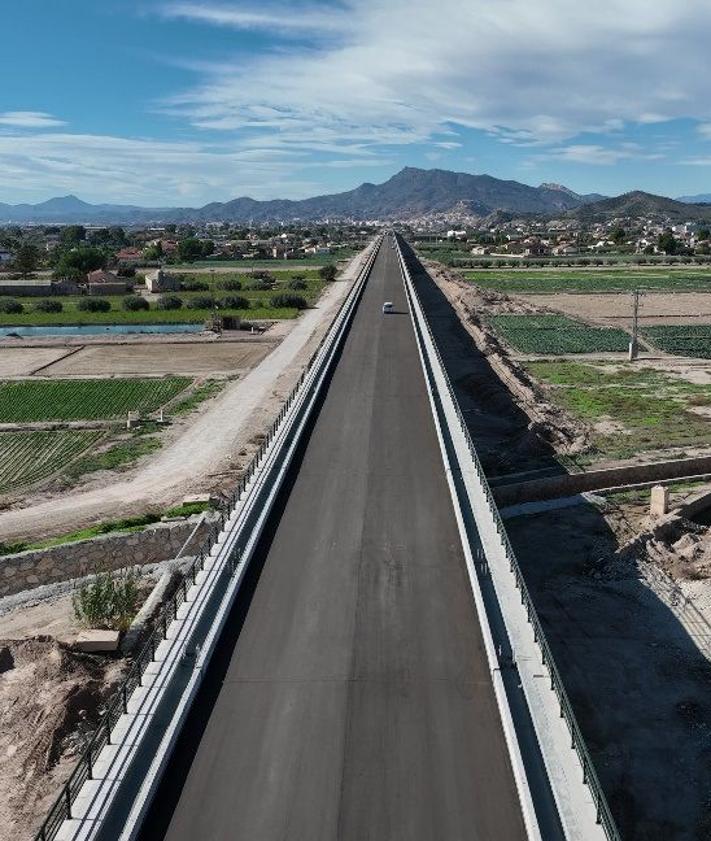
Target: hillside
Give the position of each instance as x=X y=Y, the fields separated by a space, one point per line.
x=410 y=193
x=640 y=204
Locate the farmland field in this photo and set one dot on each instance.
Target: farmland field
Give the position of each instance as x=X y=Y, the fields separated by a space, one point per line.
x=592 y=280
x=28 y=457
x=68 y=400
x=682 y=339
x=629 y=409
x=557 y=334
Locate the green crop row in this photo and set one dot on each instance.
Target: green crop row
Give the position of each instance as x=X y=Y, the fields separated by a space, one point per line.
x=29 y=457
x=68 y=400
x=682 y=339
x=555 y=334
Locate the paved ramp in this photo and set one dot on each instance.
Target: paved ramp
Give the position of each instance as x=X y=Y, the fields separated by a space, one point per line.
x=354 y=700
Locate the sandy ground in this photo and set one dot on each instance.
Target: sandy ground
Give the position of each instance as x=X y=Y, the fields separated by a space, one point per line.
x=616 y=309
x=22 y=362
x=163 y=358
x=194 y=460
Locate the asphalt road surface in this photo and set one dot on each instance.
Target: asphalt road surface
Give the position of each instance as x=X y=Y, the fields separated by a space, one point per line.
x=354 y=701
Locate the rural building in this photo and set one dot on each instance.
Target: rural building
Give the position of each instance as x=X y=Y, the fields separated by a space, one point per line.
x=159 y=281
x=105 y=283
x=130 y=256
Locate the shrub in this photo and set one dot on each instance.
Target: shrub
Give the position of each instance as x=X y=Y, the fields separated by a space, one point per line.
x=94 y=305
x=194 y=286
x=259 y=284
x=235 y=302
x=287 y=301
x=328 y=272
x=232 y=284
x=169 y=302
x=201 y=302
x=11 y=306
x=297 y=284
x=107 y=601
x=135 y=304
x=126 y=271
x=263 y=274
x=48 y=306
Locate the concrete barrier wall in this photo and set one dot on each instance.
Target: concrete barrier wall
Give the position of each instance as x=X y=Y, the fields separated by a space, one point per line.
x=158 y=542
x=570 y=484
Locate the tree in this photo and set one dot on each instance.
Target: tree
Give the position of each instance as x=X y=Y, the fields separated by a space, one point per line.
x=328 y=272
x=668 y=243
x=619 y=235
x=72 y=235
x=190 y=249
x=80 y=261
x=26 y=259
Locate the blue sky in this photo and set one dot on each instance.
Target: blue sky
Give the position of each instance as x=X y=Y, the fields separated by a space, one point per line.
x=165 y=102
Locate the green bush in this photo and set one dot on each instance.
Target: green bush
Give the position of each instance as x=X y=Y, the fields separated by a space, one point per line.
x=94 y=305
x=201 y=302
x=328 y=272
x=169 y=302
x=235 y=302
x=48 y=306
x=297 y=284
x=194 y=285
x=232 y=284
x=135 y=304
x=260 y=284
x=288 y=301
x=11 y=306
x=107 y=601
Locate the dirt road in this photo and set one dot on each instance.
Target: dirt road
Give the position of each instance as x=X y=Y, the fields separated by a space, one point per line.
x=205 y=448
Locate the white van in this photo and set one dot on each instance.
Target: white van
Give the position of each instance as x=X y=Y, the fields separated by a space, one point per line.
x=387 y=307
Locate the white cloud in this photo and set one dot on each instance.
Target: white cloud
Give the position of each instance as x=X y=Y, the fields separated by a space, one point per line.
x=144 y=171
x=283 y=19
x=29 y=119
x=400 y=71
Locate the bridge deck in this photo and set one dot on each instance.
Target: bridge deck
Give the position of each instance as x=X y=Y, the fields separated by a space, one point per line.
x=355 y=702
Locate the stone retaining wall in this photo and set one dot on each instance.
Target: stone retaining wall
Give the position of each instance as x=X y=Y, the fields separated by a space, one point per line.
x=553 y=487
x=155 y=543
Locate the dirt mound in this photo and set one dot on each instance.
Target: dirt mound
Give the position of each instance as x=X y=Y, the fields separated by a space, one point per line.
x=50 y=700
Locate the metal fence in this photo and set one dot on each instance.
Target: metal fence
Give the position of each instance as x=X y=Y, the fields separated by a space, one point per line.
x=604 y=815
x=61 y=810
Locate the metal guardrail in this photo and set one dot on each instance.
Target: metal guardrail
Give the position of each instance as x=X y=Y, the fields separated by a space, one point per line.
x=590 y=778
x=61 y=810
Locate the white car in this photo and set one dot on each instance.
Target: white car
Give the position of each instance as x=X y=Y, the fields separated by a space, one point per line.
x=387 y=307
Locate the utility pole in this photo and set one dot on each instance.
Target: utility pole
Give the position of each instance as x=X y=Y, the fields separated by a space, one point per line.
x=634 y=349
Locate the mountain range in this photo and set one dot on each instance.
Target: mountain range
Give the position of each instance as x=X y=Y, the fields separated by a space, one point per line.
x=410 y=194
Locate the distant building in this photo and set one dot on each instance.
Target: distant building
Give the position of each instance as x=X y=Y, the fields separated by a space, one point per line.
x=130 y=256
x=159 y=281
x=5 y=257
x=105 y=283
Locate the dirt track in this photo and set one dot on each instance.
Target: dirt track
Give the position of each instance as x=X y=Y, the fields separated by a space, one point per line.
x=207 y=447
